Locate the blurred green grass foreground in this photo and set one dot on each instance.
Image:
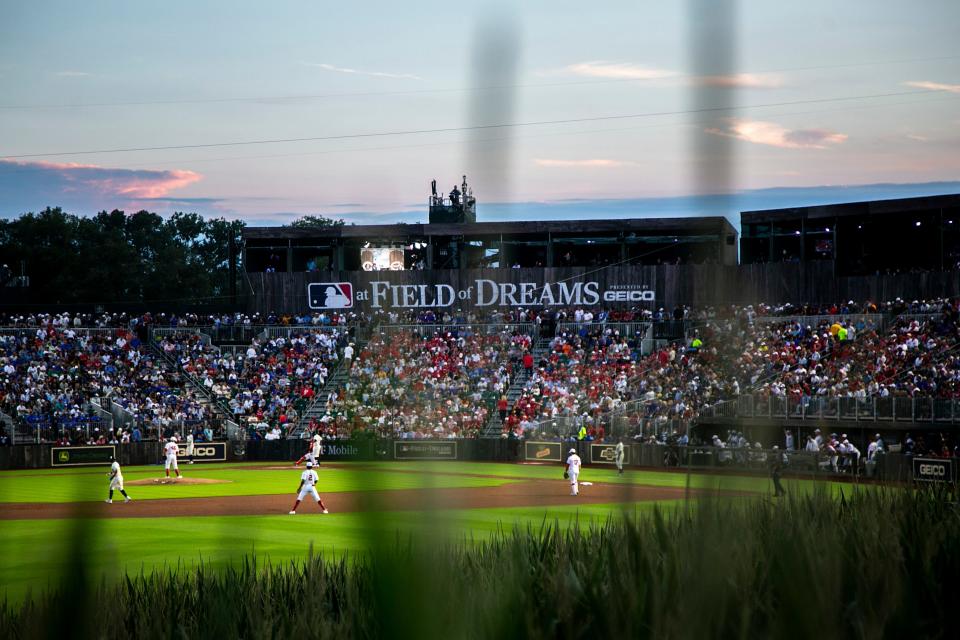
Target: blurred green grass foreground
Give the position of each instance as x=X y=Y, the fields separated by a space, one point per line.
x=872 y=564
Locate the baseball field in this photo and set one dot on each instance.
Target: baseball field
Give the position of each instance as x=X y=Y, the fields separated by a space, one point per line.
x=222 y=511
x=641 y=544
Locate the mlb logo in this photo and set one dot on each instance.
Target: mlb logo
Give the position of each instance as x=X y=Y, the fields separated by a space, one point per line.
x=330 y=295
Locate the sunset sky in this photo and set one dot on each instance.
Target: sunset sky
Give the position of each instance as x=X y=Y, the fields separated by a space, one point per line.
x=612 y=106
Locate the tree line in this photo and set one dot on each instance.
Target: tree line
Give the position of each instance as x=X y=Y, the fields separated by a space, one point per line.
x=116 y=257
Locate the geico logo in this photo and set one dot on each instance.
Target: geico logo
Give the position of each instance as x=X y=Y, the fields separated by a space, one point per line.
x=933 y=470
x=628 y=296
x=205 y=451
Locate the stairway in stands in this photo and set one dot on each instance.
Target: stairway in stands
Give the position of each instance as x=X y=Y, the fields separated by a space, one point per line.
x=494 y=427
x=338 y=378
x=211 y=402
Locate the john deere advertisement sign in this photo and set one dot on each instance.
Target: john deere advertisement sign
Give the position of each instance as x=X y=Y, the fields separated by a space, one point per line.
x=429 y=450
x=204 y=452
x=934 y=470
x=76 y=456
x=543 y=451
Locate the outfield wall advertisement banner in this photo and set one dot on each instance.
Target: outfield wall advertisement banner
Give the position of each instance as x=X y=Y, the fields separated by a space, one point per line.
x=543 y=451
x=482 y=292
x=77 y=456
x=607 y=454
x=204 y=452
x=934 y=470
x=425 y=450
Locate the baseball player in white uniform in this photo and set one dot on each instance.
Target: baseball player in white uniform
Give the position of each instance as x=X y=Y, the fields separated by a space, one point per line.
x=313 y=452
x=170 y=449
x=308 y=486
x=573 y=472
x=116 y=481
x=190 y=447
x=618 y=456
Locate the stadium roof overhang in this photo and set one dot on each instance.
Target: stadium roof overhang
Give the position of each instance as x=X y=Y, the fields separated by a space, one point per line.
x=851 y=209
x=713 y=225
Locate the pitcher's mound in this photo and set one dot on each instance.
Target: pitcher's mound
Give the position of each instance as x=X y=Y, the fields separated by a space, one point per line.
x=153 y=481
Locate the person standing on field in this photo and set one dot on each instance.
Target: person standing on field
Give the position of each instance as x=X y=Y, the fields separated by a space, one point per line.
x=618 y=456
x=170 y=449
x=776 y=468
x=573 y=472
x=308 y=486
x=116 y=481
x=190 y=447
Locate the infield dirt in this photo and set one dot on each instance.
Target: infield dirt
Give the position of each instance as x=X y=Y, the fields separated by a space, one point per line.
x=530 y=493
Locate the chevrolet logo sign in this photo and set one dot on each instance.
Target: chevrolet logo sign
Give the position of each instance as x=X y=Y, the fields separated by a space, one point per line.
x=542 y=453
x=609 y=454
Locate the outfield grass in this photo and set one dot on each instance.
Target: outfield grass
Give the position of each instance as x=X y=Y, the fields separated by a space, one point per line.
x=874 y=564
x=36 y=552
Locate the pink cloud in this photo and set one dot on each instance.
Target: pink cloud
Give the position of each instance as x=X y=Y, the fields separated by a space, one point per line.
x=131 y=183
x=933 y=86
x=593 y=163
x=617 y=71
x=28 y=185
x=742 y=81
x=632 y=71
x=775 y=135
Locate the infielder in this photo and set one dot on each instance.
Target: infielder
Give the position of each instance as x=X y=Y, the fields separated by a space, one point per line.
x=313 y=452
x=573 y=472
x=170 y=449
x=116 y=481
x=308 y=485
x=190 y=447
x=618 y=456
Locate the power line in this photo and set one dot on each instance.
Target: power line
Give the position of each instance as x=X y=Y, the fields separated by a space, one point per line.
x=692 y=123
x=327 y=96
x=506 y=125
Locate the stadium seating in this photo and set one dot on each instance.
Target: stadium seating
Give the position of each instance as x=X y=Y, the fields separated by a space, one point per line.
x=427 y=375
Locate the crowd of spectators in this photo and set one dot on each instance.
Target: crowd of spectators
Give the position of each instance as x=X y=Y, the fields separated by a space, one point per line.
x=420 y=384
x=423 y=381
x=51 y=374
x=267 y=384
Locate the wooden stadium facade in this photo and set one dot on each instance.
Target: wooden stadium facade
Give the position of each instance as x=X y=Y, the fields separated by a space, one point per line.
x=907 y=248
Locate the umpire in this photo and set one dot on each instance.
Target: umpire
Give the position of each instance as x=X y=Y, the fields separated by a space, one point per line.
x=776 y=468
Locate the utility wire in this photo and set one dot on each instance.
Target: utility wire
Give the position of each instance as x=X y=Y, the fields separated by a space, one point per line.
x=504 y=125
x=325 y=96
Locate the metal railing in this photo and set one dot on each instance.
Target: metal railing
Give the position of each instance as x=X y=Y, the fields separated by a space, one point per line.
x=868 y=320
x=523 y=328
x=9 y=425
x=870 y=409
x=284 y=332
x=623 y=328
x=80 y=331
x=163 y=332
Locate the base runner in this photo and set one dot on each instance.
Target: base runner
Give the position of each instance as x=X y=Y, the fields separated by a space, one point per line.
x=308 y=486
x=170 y=449
x=116 y=481
x=573 y=472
